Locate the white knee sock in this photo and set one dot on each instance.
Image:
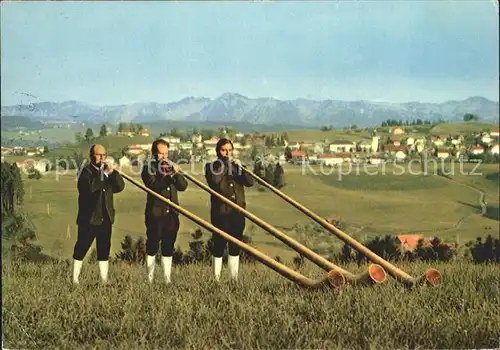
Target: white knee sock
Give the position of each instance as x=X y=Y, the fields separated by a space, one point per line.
x=233 y=262
x=77 y=267
x=217 y=267
x=103 y=268
x=166 y=261
x=150 y=264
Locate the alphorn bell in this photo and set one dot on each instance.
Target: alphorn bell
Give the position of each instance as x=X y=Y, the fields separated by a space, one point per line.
x=431 y=276
x=374 y=275
x=334 y=279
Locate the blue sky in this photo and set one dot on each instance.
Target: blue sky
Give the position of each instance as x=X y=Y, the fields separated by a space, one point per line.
x=125 y=52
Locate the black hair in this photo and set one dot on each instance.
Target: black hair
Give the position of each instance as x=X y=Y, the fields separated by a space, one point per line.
x=221 y=143
x=154 y=146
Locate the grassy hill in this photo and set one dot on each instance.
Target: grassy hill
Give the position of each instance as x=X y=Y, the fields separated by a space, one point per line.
x=41 y=309
x=461 y=128
x=319 y=135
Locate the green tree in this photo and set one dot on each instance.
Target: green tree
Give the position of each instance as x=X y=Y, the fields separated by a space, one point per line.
x=79 y=137
x=253 y=155
x=288 y=153
x=470 y=117
x=104 y=130
x=89 y=135
x=12 y=189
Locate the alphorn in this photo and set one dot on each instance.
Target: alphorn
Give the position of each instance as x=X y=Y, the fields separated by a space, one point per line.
x=374 y=275
x=431 y=276
x=333 y=279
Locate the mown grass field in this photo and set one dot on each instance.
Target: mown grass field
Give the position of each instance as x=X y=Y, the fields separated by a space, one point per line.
x=461 y=128
x=42 y=309
x=319 y=135
x=367 y=205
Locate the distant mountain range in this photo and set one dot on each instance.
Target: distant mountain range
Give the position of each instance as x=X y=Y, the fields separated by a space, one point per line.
x=233 y=107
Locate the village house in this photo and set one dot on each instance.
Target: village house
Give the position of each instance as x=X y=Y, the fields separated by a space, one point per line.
x=144 y=132
x=478 y=149
x=298 y=155
x=319 y=148
x=392 y=149
x=196 y=138
x=134 y=150
x=342 y=146
x=485 y=138
x=437 y=140
x=442 y=153
x=171 y=140
x=293 y=145
x=494 y=149
x=375 y=159
x=457 y=140
x=330 y=159
x=410 y=141
x=124 y=162
x=186 y=146
x=400 y=156
x=365 y=145
x=397 y=131
x=41 y=165
x=211 y=142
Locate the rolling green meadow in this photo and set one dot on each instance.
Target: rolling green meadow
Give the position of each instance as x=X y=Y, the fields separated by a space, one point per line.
x=367 y=205
x=42 y=309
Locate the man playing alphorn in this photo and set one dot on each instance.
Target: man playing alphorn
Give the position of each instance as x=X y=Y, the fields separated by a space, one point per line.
x=97 y=182
x=162 y=221
x=226 y=177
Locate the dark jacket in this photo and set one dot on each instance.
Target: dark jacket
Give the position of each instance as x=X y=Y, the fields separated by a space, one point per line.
x=229 y=181
x=166 y=186
x=95 y=195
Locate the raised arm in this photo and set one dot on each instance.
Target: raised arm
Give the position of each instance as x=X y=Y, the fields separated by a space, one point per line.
x=116 y=181
x=242 y=177
x=153 y=179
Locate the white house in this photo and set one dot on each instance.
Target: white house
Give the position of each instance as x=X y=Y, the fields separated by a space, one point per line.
x=478 y=150
x=400 y=155
x=494 y=149
x=420 y=147
x=172 y=139
x=486 y=138
x=134 y=149
x=124 y=162
x=330 y=159
x=196 y=138
x=294 y=145
x=375 y=160
x=342 y=146
x=365 y=146
x=212 y=141
x=443 y=153
x=438 y=142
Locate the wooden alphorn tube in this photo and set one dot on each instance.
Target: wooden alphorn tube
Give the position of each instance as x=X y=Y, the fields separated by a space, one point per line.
x=431 y=276
x=375 y=273
x=334 y=278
